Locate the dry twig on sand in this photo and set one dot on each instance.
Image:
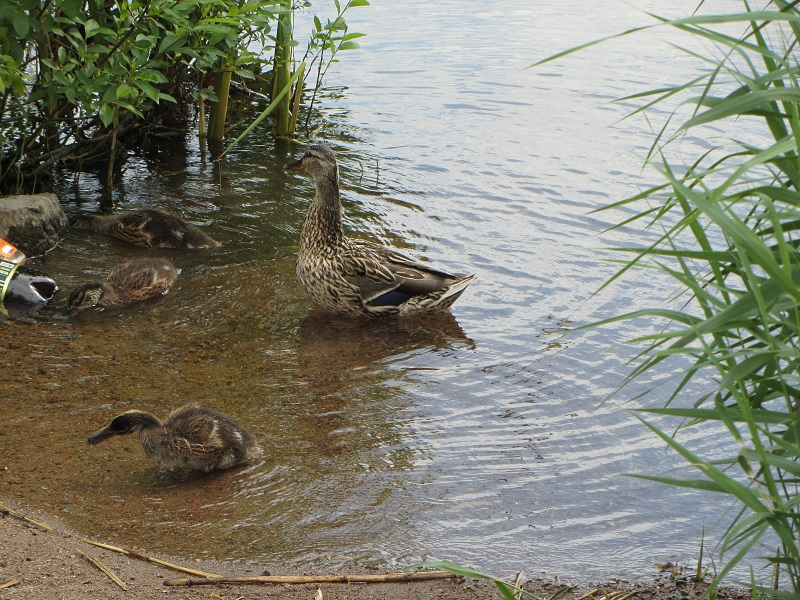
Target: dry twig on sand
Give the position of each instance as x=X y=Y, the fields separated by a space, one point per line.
x=97 y=563
x=9 y=584
x=8 y=511
x=157 y=561
x=294 y=579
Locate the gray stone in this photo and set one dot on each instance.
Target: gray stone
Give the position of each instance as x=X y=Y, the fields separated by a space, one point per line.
x=32 y=223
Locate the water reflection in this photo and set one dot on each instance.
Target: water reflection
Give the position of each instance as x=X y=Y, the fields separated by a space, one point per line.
x=334 y=353
x=331 y=348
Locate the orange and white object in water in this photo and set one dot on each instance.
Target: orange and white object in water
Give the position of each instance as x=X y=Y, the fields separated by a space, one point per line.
x=11 y=253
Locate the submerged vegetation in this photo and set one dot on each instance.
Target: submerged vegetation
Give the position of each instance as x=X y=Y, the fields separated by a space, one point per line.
x=81 y=79
x=727 y=228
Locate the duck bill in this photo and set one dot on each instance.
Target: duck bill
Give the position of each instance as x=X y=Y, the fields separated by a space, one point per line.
x=99 y=436
x=295 y=166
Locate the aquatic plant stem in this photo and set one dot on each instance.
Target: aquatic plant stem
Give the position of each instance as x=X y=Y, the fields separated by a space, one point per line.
x=298 y=93
x=262 y=116
x=219 y=109
x=114 y=129
x=201 y=109
x=282 y=69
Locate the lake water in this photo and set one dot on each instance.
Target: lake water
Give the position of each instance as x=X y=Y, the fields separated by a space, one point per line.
x=480 y=437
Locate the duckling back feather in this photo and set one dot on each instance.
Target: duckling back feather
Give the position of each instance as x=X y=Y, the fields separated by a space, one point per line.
x=131 y=282
x=149 y=228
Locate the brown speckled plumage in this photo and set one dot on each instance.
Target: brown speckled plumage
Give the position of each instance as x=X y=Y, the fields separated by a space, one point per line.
x=357 y=277
x=149 y=228
x=192 y=437
x=131 y=282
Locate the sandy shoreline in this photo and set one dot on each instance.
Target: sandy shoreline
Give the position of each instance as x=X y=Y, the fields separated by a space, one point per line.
x=39 y=564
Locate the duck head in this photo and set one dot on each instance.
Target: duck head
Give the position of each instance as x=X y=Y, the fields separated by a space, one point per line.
x=319 y=161
x=86 y=295
x=127 y=422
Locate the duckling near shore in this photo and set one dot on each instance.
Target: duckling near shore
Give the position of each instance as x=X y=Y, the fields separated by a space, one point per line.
x=192 y=437
x=133 y=281
x=148 y=228
x=357 y=277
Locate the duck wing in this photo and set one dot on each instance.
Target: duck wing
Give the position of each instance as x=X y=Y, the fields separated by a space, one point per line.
x=131 y=228
x=388 y=278
x=203 y=430
x=198 y=432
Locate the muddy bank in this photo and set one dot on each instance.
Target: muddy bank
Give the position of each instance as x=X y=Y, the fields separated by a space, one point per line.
x=36 y=564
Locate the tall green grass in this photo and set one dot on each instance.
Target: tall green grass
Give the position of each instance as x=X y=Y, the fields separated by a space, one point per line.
x=728 y=232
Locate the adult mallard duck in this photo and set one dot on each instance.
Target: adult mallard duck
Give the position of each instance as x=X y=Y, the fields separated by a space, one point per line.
x=357 y=277
x=131 y=282
x=149 y=228
x=192 y=437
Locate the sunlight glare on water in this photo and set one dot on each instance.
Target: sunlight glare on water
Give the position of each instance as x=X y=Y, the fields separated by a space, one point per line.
x=478 y=438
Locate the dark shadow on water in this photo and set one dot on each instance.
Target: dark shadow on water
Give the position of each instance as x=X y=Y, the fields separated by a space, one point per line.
x=27 y=313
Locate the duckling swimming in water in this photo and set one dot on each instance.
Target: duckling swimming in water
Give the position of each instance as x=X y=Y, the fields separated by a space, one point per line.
x=149 y=228
x=192 y=437
x=131 y=282
x=357 y=277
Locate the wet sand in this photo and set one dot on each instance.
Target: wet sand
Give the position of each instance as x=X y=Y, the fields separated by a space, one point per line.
x=39 y=564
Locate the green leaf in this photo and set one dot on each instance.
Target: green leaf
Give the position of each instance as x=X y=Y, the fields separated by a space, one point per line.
x=22 y=24
x=90 y=27
x=149 y=91
x=507 y=590
x=49 y=63
x=743 y=105
x=694 y=484
x=726 y=483
x=130 y=107
x=109 y=95
x=710 y=414
x=124 y=90
x=789 y=465
x=145 y=41
x=170 y=39
x=106 y=114
x=72 y=8
x=151 y=76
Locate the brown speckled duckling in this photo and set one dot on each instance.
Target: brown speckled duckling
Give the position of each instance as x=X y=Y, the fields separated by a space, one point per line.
x=131 y=282
x=357 y=277
x=149 y=228
x=192 y=437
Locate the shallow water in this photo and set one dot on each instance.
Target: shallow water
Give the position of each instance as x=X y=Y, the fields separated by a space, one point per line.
x=478 y=437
